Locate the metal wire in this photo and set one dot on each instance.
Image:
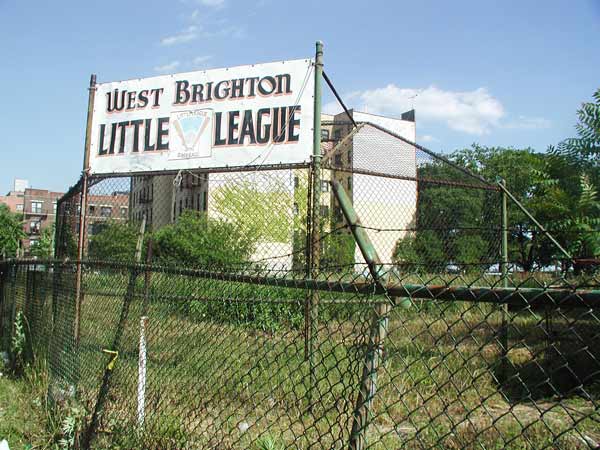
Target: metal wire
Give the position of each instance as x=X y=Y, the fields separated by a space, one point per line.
x=203 y=338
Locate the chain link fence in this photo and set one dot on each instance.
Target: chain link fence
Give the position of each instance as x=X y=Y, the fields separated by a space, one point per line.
x=215 y=310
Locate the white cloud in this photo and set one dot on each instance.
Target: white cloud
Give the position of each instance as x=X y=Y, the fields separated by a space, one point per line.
x=473 y=112
x=212 y=3
x=528 y=123
x=189 y=34
x=427 y=138
x=199 y=61
x=232 y=31
x=170 y=67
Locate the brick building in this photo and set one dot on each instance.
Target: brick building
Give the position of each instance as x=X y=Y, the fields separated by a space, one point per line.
x=39 y=213
x=14 y=199
x=105 y=208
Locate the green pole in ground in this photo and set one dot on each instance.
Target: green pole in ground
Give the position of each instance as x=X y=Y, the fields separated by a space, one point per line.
x=313 y=311
x=379 y=324
x=504 y=272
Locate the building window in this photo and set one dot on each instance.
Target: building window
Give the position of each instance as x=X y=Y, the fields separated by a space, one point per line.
x=324 y=211
x=32 y=242
x=105 y=211
x=34 y=227
x=324 y=186
x=54 y=205
x=19 y=207
x=123 y=211
x=338 y=133
x=324 y=134
x=36 y=207
x=338 y=213
x=92 y=209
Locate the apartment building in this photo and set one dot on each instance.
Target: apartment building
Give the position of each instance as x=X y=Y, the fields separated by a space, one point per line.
x=379 y=173
x=104 y=208
x=380 y=202
x=14 y=198
x=163 y=198
x=39 y=213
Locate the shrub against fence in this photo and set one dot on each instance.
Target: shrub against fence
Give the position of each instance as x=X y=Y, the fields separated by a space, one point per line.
x=226 y=363
x=234 y=334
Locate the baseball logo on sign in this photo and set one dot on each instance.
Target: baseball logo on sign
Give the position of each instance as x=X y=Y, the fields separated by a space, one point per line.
x=190 y=134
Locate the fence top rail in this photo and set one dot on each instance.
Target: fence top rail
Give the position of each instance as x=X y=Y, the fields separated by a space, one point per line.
x=227 y=169
x=432 y=154
x=73 y=190
x=358 y=284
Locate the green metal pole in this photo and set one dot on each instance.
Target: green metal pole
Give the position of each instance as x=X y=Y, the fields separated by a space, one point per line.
x=379 y=324
x=313 y=311
x=504 y=272
x=535 y=221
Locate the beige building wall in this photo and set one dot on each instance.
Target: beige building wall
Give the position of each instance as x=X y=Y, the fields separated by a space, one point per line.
x=381 y=203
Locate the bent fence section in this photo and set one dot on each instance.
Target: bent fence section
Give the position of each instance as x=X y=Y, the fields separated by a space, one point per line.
x=169 y=358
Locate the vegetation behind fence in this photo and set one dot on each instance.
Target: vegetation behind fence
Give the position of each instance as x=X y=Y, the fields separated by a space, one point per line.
x=416 y=305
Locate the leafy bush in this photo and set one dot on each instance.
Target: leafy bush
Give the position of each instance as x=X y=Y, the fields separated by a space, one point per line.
x=44 y=247
x=196 y=240
x=11 y=232
x=338 y=250
x=116 y=241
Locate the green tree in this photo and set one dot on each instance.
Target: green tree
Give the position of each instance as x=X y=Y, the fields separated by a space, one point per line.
x=338 y=250
x=44 y=247
x=196 y=240
x=113 y=241
x=263 y=211
x=422 y=251
x=11 y=232
x=528 y=247
x=466 y=220
x=568 y=186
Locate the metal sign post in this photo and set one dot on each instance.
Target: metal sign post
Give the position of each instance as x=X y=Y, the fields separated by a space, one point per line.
x=314 y=253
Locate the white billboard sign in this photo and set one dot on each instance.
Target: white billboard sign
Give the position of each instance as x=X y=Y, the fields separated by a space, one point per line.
x=239 y=116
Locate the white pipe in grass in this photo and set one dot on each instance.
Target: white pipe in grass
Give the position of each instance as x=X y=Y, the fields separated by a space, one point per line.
x=141 y=392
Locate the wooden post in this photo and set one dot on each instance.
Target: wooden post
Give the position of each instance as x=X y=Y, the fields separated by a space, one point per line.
x=114 y=351
x=83 y=206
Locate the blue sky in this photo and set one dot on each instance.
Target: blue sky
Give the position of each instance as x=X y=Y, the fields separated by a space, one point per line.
x=509 y=73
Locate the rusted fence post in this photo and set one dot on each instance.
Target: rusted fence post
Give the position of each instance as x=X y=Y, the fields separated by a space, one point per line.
x=83 y=207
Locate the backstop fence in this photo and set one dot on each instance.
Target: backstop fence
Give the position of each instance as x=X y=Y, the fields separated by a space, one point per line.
x=384 y=301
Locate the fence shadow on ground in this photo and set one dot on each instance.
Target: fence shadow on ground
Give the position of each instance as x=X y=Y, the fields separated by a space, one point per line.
x=555 y=357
